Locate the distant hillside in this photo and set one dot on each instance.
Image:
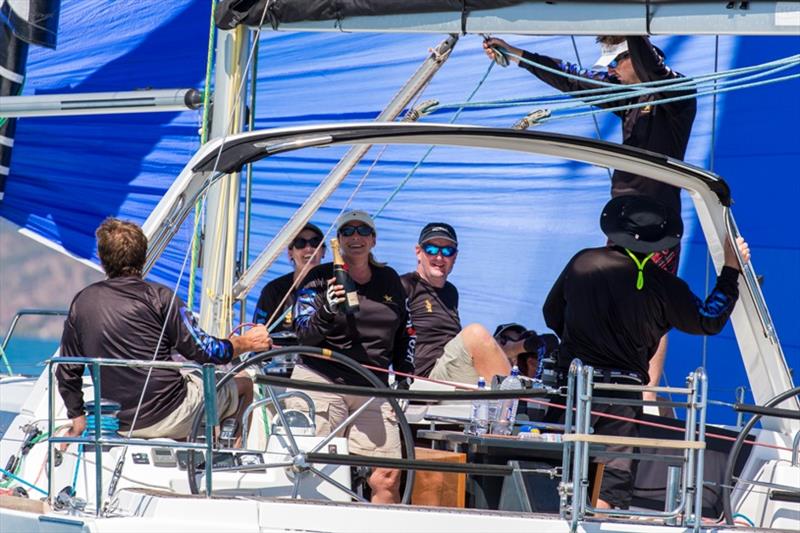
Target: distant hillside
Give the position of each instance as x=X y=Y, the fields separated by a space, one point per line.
x=34 y=276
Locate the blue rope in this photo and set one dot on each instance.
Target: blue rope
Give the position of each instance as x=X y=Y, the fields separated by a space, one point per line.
x=430 y=149
x=619 y=91
x=20 y=480
x=672 y=99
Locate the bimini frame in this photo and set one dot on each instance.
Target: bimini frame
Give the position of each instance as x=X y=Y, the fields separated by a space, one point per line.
x=758 y=342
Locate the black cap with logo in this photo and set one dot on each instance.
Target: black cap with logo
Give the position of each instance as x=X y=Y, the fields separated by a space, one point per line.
x=438 y=230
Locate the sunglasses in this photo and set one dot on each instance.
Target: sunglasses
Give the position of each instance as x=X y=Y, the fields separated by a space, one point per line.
x=299 y=243
x=617 y=60
x=446 y=251
x=363 y=230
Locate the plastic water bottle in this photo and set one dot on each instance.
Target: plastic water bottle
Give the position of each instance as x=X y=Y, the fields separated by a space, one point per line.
x=493 y=412
x=508 y=406
x=479 y=418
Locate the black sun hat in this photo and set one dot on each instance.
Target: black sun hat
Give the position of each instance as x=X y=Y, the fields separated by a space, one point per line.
x=641 y=224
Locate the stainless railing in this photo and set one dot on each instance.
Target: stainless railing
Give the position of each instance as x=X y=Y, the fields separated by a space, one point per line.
x=13 y=326
x=209 y=397
x=684 y=500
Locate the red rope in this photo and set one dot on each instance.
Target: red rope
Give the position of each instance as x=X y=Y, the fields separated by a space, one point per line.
x=240 y=326
x=559 y=406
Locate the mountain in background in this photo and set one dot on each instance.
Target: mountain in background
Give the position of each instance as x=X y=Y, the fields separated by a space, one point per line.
x=33 y=276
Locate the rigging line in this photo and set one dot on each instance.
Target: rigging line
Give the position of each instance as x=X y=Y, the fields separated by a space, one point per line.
x=594 y=118
x=198 y=207
x=618 y=87
x=238 y=93
x=682 y=86
x=667 y=85
x=121 y=460
x=229 y=119
x=672 y=99
x=307 y=267
x=430 y=149
x=560 y=406
x=278 y=319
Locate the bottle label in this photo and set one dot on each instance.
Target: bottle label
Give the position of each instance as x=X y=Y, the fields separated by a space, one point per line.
x=352 y=299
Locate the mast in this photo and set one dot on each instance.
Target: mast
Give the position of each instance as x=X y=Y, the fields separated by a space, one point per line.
x=220 y=229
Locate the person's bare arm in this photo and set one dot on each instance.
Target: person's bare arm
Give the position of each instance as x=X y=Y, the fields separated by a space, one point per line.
x=491 y=43
x=256 y=339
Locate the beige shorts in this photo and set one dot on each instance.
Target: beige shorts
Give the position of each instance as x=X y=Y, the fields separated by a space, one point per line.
x=455 y=363
x=373 y=432
x=178 y=423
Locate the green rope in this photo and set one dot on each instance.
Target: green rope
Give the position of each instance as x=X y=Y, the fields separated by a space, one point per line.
x=430 y=149
x=198 y=208
x=639 y=267
x=5 y=361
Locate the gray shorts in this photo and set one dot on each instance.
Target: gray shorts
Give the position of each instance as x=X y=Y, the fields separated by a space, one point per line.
x=455 y=363
x=178 y=423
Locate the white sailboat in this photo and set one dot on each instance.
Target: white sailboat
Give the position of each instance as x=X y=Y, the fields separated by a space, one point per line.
x=274 y=485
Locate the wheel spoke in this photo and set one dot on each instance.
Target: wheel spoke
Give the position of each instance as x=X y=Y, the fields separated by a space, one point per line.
x=293 y=448
x=296 y=485
x=338 y=485
x=341 y=426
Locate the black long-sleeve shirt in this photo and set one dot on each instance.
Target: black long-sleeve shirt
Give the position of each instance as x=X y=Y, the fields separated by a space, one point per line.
x=380 y=333
x=662 y=128
x=434 y=312
x=122 y=318
x=271 y=295
x=605 y=321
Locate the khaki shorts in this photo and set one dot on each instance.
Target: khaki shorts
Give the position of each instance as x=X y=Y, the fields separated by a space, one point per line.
x=178 y=423
x=455 y=364
x=373 y=432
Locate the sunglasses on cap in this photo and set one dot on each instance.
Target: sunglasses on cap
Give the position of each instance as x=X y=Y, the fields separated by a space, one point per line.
x=446 y=251
x=363 y=230
x=617 y=60
x=299 y=242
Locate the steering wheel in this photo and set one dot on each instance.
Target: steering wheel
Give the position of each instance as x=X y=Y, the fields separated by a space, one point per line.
x=304 y=471
x=733 y=456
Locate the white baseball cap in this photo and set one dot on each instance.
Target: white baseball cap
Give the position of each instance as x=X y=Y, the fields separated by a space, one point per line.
x=609 y=53
x=356 y=216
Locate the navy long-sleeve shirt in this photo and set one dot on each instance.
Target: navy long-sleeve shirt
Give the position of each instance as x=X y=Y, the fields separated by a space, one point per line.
x=123 y=318
x=380 y=333
x=605 y=321
x=662 y=128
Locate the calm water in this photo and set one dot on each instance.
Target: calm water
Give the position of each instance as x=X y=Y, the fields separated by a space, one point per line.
x=26 y=355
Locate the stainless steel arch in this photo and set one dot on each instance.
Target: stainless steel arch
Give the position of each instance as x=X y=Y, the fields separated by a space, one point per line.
x=758 y=342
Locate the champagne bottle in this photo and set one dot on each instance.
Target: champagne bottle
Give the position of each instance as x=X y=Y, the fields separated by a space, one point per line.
x=350 y=304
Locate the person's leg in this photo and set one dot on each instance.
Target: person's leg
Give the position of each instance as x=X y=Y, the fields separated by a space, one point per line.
x=330 y=409
x=244 y=397
x=488 y=357
x=376 y=433
x=616 y=487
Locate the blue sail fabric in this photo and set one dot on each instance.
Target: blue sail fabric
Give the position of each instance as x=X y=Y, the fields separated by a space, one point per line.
x=519 y=218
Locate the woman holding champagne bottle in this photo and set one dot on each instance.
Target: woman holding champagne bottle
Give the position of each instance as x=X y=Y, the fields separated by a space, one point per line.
x=356 y=306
